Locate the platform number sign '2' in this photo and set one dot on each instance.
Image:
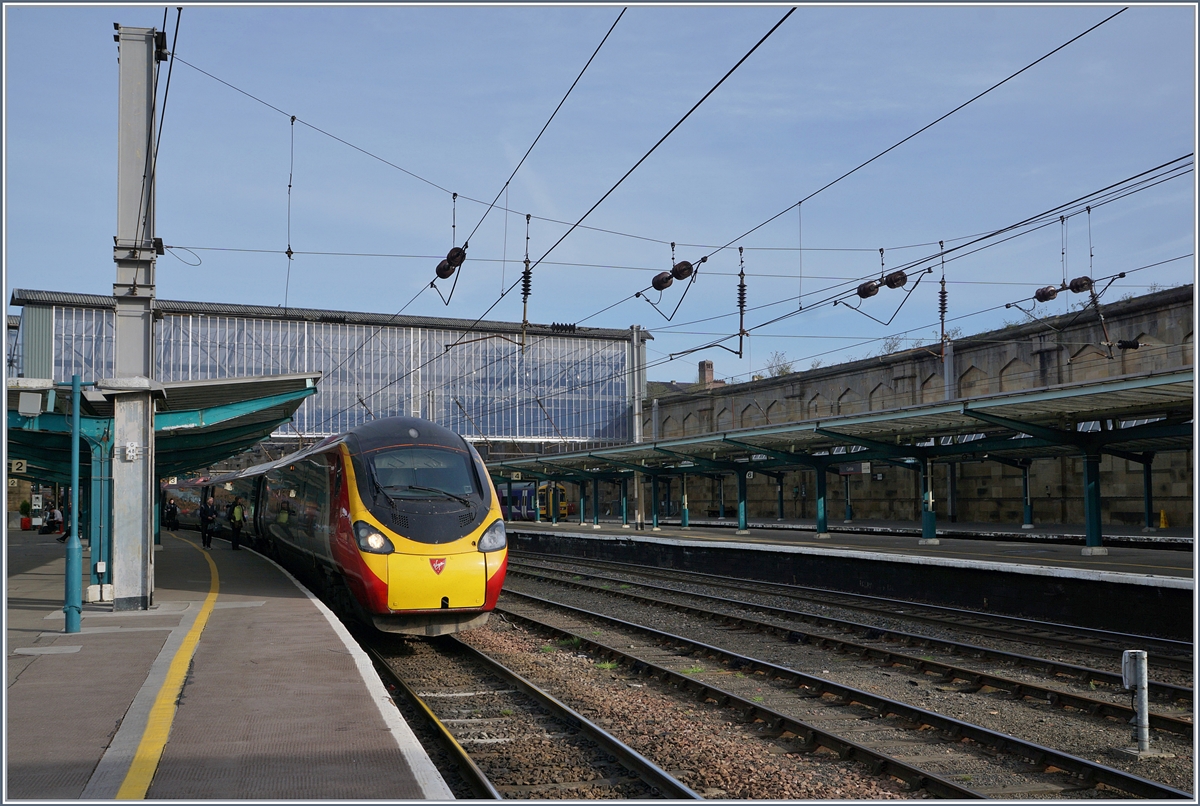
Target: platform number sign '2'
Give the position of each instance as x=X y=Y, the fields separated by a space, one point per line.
x=437 y=564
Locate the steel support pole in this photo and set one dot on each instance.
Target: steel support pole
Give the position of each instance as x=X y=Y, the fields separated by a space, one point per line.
x=721 y=496
x=654 y=502
x=741 y=485
x=595 y=503
x=73 y=594
x=1091 y=506
x=537 y=503
x=779 y=489
x=667 y=498
x=1148 y=493
x=582 y=502
x=1028 y=502
x=624 y=503
x=683 y=505
x=100 y=513
x=822 y=489
x=554 y=503
x=509 y=517
x=928 y=513
x=849 y=508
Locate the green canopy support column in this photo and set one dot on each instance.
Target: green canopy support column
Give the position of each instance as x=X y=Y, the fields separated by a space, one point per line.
x=846 y=492
x=537 y=501
x=553 y=502
x=822 y=490
x=779 y=490
x=667 y=497
x=1148 y=493
x=1091 y=505
x=1028 y=502
x=721 y=497
x=508 y=515
x=582 y=500
x=624 y=503
x=952 y=491
x=683 y=505
x=928 y=513
x=654 y=503
x=100 y=512
x=741 y=510
x=73 y=587
x=596 y=502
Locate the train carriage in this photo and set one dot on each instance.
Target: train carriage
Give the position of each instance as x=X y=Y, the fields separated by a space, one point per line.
x=395 y=522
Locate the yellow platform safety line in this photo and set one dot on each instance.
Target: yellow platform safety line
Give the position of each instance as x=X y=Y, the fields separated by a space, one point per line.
x=162 y=713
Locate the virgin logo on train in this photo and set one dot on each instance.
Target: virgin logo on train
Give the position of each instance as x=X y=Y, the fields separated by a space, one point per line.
x=438 y=564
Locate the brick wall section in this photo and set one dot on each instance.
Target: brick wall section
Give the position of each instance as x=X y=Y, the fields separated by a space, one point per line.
x=1062 y=349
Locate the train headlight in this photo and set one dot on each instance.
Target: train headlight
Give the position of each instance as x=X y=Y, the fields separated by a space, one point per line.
x=371 y=540
x=494 y=538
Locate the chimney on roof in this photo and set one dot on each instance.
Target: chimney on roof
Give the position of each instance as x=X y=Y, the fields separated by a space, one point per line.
x=706 y=374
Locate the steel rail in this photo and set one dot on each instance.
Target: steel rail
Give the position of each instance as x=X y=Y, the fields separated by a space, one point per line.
x=475 y=778
x=1181 y=656
x=1088 y=772
x=646 y=769
x=1082 y=674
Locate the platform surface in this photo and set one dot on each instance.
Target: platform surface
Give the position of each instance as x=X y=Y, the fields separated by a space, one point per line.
x=278 y=702
x=1054 y=551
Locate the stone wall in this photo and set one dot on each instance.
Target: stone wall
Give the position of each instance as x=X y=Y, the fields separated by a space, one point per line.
x=1062 y=349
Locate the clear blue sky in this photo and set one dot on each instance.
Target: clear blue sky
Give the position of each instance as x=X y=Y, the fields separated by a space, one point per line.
x=456 y=95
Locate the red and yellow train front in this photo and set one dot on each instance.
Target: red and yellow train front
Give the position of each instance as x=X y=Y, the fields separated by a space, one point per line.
x=419 y=534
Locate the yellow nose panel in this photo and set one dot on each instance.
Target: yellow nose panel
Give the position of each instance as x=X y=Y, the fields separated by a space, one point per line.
x=421 y=582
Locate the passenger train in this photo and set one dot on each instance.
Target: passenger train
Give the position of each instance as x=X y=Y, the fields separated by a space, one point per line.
x=394 y=522
x=521 y=507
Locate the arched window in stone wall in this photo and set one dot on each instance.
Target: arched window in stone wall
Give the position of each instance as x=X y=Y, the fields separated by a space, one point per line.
x=974 y=382
x=670 y=428
x=882 y=397
x=1188 y=350
x=725 y=420
x=1150 y=356
x=932 y=389
x=751 y=416
x=819 y=406
x=1016 y=375
x=775 y=413
x=691 y=424
x=850 y=402
x=1090 y=363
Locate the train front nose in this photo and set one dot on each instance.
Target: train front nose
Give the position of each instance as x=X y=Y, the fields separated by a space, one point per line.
x=436 y=581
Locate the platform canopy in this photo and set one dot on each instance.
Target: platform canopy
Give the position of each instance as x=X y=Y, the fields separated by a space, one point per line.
x=196 y=423
x=1130 y=417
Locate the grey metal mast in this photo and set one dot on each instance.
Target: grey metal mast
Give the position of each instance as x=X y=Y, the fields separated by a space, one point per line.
x=133 y=388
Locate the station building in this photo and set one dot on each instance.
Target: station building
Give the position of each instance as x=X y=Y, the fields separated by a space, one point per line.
x=1047 y=353
x=508 y=389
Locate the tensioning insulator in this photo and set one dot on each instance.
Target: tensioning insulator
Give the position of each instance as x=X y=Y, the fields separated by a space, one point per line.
x=868 y=289
x=896 y=279
x=682 y=270
x=1045 y=294
x=456 y=256
x=526 y=283
x=1081 y=284
x=444 y=269
x=662 y=281
x=1128 y=344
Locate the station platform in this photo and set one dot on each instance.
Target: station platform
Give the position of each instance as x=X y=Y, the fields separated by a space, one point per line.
x=236 y=684
x=1142 y=590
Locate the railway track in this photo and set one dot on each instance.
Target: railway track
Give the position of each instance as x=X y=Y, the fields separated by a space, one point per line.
x=894 y=737
x=1163 y=653
x=880 y=652
x=508 y=737
x=877 y=642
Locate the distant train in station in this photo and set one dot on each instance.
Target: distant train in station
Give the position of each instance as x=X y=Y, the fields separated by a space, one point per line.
x=521 y=508
x=394 y=523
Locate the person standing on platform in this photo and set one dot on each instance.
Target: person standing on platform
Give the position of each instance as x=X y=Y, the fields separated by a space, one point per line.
x=171 y=515
x=208 y=514
x=237 y=519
